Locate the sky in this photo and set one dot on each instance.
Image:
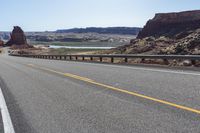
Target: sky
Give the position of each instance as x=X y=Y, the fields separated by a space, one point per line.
x=50 y=15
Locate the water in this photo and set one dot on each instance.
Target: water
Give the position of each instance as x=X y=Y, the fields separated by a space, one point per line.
x=74 y=47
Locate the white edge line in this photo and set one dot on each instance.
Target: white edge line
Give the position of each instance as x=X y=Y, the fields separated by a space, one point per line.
x=149 y=69
x=7 y=123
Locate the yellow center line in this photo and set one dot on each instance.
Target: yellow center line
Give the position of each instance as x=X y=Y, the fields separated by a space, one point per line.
x=118 y=89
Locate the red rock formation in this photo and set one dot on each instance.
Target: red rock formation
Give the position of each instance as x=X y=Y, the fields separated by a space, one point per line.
x=17 y=37
x=1 y=43
x=171 y=24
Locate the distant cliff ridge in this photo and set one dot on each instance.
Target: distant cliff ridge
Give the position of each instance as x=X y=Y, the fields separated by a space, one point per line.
x=171 y=24
x=109 y=30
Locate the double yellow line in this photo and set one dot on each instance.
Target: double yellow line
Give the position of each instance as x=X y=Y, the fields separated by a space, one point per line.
x=118 y=89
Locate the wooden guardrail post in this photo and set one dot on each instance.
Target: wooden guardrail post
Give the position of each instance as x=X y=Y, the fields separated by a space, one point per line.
x=76 y=57
x=101 y=59
x=166 y=62
x=142 y=60
x=91 y=58
x=70 y=57
x=193 y=62
x=112 y=59
x=83 y=58
x=126 y=59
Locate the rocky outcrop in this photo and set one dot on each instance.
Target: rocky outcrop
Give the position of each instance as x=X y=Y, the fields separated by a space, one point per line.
x=1 y=43
x=171 y=24
x=189 y=45
x=17 y=37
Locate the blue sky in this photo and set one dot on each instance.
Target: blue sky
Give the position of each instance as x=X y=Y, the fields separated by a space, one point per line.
x=41 y=15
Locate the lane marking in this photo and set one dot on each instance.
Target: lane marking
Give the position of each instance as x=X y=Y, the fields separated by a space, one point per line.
x=65 y=74
x=119 y=90
x=147 y=69
x=7 y=123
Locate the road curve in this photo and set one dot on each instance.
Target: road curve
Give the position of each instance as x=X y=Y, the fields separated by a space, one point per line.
x=65 y=96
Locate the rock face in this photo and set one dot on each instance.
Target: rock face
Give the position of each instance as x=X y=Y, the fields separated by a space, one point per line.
x=1 y=43
x=17 y=37
x=171 y=24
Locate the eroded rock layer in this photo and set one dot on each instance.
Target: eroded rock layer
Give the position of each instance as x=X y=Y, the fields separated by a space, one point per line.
x=171 y=24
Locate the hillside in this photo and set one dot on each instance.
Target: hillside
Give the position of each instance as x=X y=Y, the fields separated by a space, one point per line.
x=189 y=45
x=109 y=30
x=168 y=33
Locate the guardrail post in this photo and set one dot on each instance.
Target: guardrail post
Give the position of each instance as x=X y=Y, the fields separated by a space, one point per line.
x=91 y=58
x=126 y=60
x=193 y=62
x=76 y=57
x=70 y=57
x=83 y=58
x=112 y=59
x=166 y=62
x=101 y=59
x=60 y=57
x=142 y=60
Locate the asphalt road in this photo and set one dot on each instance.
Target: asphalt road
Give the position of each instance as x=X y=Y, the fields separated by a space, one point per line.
x=49 y=96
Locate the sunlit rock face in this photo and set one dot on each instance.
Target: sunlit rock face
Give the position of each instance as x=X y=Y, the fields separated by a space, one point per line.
x=17 y=37
x=171 y=24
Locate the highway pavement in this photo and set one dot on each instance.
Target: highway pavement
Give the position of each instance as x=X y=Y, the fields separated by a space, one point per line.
x=52 y=96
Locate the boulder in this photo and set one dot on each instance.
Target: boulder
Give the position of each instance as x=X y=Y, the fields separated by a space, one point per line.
x=17 y=37
x=171 y=24
x=187 y=63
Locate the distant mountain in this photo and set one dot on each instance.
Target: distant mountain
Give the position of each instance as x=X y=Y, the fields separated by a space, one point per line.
x=108 y=30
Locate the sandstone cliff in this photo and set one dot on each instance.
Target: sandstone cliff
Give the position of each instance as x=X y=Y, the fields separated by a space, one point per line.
x=171 y=24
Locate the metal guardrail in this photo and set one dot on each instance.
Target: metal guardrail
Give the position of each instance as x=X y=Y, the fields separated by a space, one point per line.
x=165 y=58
